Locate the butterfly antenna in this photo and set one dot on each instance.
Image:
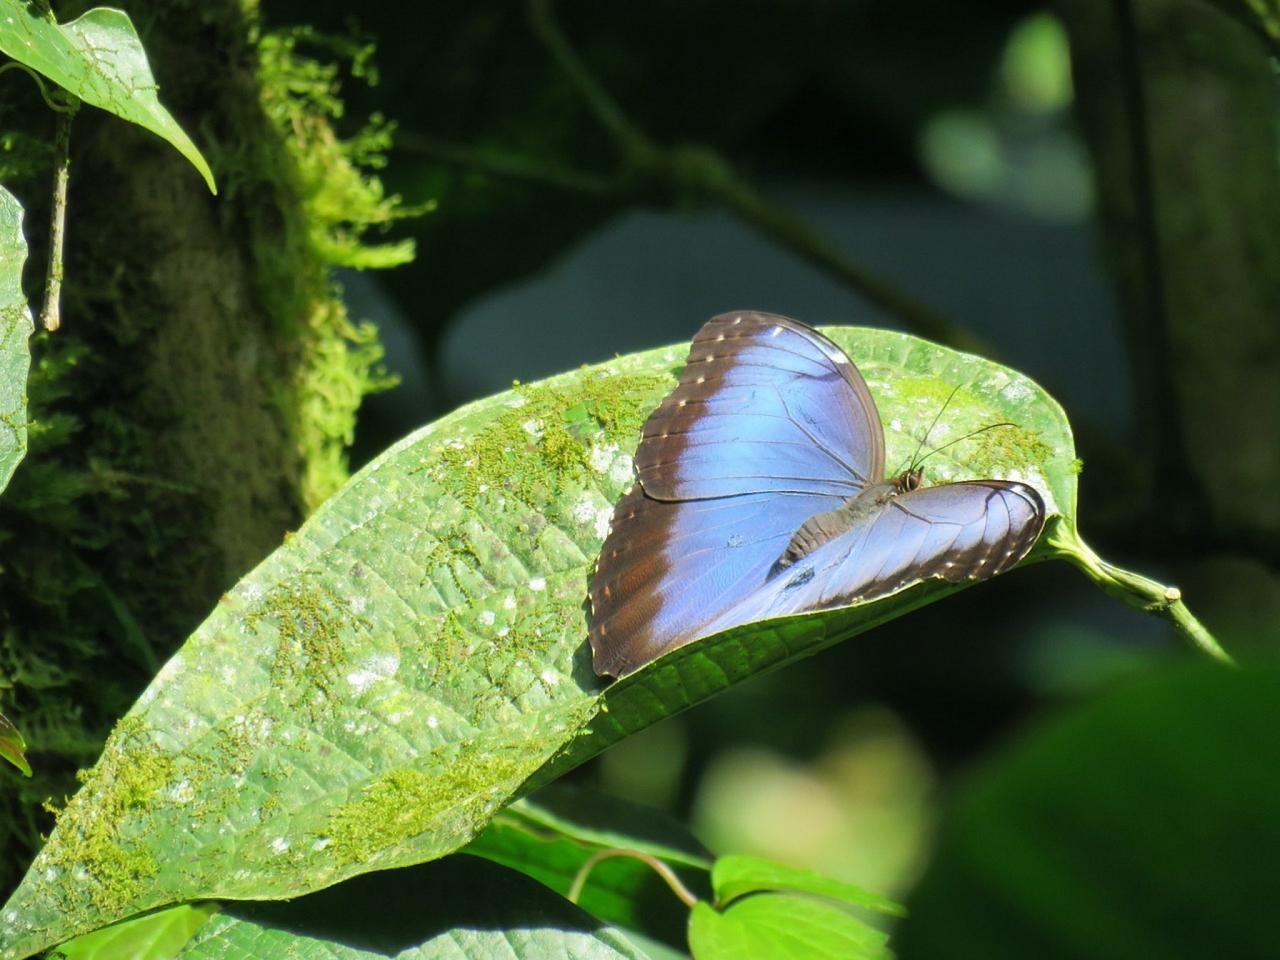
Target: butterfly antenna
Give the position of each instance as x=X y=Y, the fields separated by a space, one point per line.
x=952 y=443
x=938 y=416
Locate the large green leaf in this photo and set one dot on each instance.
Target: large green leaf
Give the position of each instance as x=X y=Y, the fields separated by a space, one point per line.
x=15 y=330
x=460 y=908
x=415 y=657
x=1143 y=824
x=99 y=59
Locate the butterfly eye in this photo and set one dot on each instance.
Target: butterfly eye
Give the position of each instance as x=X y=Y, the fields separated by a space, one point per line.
x=909 y=480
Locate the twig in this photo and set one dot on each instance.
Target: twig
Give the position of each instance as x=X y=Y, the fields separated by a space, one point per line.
x=50 y=101
x=51 y=312
x=637 y=148
x=661 y=869
x=790 y=231
x=512 y=166
x=699 y=174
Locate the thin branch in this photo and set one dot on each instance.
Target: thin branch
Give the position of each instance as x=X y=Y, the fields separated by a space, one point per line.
x=700 y=175
x=51 y=312
x=635 y=145
x=790 y=231
x=1150 y=348
x=512 y=166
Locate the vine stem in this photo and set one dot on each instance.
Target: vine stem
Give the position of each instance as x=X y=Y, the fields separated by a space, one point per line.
x=1132 y=588
x=661 y=869
x=51 y=312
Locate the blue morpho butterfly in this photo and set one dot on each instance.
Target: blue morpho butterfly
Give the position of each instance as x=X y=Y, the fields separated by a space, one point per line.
x=762 y=492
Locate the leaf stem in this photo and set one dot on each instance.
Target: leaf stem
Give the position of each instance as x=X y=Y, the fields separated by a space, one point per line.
x=661 y=869
x=1132 y=588
x=53 y=103
x=51 y=312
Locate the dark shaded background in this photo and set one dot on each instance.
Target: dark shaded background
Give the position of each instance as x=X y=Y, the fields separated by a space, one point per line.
x=1115 y=239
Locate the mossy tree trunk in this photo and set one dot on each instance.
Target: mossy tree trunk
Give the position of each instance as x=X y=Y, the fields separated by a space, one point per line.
x=1178 y=102
x=200 y=394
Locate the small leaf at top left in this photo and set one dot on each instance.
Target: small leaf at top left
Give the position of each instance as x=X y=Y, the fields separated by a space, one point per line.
x=99 y=59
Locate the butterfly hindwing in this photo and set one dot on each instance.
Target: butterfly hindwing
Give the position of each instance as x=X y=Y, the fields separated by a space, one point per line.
x=971 y=530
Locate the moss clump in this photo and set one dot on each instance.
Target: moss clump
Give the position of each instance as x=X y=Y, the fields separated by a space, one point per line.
x=336 y=203
x=545 y=439
x=313 y=629
x=407 y=802
x=103 y=828
x=1009 y=448
x=450 y=794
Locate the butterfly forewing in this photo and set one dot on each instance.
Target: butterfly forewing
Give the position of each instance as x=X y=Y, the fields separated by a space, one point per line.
x=764 y=404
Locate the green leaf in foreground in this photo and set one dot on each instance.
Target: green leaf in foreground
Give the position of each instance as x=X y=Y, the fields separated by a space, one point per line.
x=156 y=936
x=414 y=657
x=771 y=926
x=12 y=747
x=737 y=876
x=1143 y=824
x=16 y=328
x=99 y=59
x=461 y=908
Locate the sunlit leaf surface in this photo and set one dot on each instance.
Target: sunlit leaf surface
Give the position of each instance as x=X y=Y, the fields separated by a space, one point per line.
x=414 y=657
x=739 y=876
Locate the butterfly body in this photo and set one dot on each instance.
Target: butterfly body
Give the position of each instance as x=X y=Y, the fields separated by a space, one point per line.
x=826 y=526
x=761 y=492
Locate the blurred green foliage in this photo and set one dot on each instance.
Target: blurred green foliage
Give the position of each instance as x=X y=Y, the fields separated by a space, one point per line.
x=1145 y=823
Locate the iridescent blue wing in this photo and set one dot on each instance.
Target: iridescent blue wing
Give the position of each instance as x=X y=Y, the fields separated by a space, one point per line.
x=668 y=568
x=970 y=530
x=770 y=424
x=765 y=404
